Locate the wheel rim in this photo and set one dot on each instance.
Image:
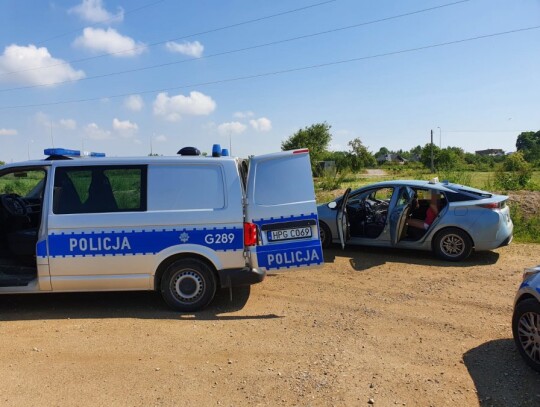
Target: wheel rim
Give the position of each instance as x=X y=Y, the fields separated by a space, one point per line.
x=529 y=335
x=452 y=245
x=187 y=286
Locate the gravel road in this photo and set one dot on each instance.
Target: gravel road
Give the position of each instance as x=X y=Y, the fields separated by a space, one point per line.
x=372 y=327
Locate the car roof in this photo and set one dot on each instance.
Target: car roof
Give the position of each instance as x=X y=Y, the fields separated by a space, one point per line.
x=440 y=186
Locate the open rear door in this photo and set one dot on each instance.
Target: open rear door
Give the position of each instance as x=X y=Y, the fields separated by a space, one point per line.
x=280 y=201
x=343 y=219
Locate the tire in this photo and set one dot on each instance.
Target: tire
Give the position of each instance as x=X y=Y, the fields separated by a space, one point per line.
x=188 y=285
x=325 y=235
x=526 y=331
x=452 y=244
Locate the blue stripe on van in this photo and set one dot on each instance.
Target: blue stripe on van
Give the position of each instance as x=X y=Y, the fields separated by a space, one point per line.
x=122 y=243
x=41 y=249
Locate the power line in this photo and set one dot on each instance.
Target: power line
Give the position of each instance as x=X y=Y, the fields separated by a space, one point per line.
x=174 y=39
x=108 y=20
x=274 y=73
x=241 y=49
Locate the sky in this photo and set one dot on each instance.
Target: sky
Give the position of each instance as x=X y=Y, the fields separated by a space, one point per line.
x=132 y=77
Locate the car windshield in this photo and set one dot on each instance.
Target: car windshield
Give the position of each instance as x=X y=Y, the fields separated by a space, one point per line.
x=23 y=183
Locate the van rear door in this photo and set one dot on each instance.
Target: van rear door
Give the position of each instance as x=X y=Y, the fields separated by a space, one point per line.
x=280 y=201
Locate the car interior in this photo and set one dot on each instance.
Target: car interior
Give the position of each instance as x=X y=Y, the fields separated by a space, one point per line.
x=21 y=200
x=368 y=212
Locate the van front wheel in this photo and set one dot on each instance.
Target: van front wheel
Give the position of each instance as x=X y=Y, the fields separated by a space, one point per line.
x=188 y=285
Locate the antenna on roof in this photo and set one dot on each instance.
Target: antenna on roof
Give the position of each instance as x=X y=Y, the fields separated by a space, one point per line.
x=52 y=138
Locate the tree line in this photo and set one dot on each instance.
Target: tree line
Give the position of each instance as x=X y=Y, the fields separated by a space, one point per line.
x=317 y=138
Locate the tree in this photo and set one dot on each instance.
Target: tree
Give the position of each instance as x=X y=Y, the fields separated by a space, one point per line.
x=425 y=156
x=316 y=137
x=361 y=156
x=528 y=143
x=382 y=151
x=2 y=163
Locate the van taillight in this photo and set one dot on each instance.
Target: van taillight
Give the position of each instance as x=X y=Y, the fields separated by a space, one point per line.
x=250 y=234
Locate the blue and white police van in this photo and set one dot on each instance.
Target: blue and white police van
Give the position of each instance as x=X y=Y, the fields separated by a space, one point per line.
x=183 y=225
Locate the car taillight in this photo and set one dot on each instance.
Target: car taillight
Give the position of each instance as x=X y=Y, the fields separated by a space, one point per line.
x=493 y=205
x=301 y=151
x=250 y=234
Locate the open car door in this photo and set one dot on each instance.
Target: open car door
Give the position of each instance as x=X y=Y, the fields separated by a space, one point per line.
x=400 y=212
x=280 y=203
x=343 y=219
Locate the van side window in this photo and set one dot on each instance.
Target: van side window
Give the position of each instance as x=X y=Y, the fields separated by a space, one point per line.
x=99 y=189
x=185 y=187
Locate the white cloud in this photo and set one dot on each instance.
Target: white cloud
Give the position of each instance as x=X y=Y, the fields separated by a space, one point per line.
x=231 y=128
x=134 y=103
x=94 y=132
x=125 y=128
x=174 y=107
x=192 y=49
x=243 y=115
x=35 y=66
x=109 y=41
x=261 y=124
x=161 y=138
x=68 y=124
x=8 y=132
x=94 y=12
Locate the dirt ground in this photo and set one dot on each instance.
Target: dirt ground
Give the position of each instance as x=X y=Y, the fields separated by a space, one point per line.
x=397 y=327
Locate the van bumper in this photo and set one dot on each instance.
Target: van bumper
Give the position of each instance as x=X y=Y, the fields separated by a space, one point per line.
x=240 y=277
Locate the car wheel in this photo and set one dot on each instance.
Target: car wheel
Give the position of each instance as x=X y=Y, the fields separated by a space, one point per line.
x=325 y=235
x=188 y=285
x=453 y=244
x=526 y=330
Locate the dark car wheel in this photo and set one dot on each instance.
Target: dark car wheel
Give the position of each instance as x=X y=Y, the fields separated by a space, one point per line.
x=452 y=244
x=526 y=330
x=188 y=285
x=325 y=235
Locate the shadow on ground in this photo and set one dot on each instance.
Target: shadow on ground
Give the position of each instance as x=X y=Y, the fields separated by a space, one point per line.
x=363 y=258
x=500 y=375
x=143 y=305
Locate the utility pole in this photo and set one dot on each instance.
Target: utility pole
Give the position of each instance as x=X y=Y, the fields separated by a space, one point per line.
x=432 y=166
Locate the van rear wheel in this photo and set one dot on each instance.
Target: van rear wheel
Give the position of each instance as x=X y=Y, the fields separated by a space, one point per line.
x=188 y=285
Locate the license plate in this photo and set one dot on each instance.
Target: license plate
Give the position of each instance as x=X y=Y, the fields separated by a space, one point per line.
x=289 y=234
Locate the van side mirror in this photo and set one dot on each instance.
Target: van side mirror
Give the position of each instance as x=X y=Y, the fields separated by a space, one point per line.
x=332 y=205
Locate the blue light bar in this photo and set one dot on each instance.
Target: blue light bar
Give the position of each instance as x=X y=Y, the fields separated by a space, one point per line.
x=71 y=153
x=62 y=151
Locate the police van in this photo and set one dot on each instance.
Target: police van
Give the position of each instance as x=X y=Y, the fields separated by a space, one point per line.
x=184 y=225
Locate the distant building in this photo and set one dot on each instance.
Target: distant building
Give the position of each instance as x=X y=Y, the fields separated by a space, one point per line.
x=391 y=158
x=491 y=152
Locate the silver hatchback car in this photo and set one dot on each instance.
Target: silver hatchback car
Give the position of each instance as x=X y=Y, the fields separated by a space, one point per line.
x=451 y=220
x=526 y=318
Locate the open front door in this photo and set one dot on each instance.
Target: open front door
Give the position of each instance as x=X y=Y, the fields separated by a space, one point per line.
x=343 y=219
x=400 y=212
x=281 y=203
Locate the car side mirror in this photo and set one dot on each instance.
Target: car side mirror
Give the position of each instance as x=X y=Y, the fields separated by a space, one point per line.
x=332 y=205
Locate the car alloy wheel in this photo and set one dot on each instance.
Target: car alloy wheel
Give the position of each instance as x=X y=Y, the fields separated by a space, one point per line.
x=529 y=335
x=452 y=245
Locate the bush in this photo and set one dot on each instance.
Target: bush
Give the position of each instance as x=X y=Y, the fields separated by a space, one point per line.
x=330 y=181
x=515 y=173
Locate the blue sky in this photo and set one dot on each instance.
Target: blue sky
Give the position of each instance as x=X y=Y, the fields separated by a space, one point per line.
x=474 y=94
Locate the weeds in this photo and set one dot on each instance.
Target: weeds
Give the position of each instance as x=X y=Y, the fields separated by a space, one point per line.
x=526 y=228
